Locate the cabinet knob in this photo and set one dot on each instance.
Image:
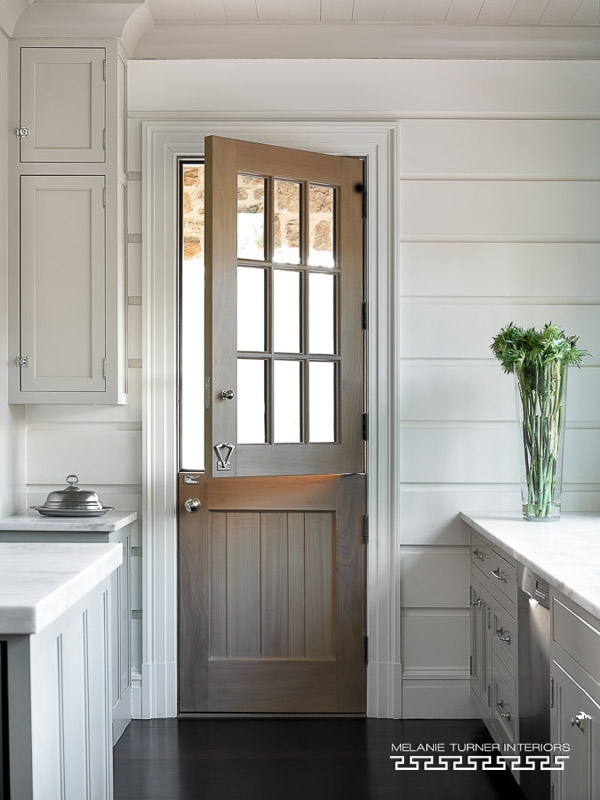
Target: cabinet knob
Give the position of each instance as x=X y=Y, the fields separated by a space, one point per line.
x=503 y=636
x=579 y=720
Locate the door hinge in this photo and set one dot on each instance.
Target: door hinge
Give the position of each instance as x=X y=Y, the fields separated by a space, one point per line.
x=22 y=361
x=365 y=205
x=366 y=647
x=22 y=132
x=104 y=368
x=366 y=529
x=489 y=616
x=104 y=197
x=104 y=70
x=104 y=138
x=551 y=692
x=470 y=665
x=365 y=427
x=365 y=316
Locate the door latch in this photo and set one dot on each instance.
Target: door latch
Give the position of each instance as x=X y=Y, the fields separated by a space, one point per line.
x=224 y=459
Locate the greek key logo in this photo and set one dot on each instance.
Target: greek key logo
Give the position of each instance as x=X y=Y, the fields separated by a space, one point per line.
x=442 y=763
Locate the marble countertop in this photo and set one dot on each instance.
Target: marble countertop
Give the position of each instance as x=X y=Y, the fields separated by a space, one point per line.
x=565 y=552
x=39 y=582
x=32 y=521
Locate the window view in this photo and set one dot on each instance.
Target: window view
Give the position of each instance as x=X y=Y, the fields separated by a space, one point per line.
x=191 y=341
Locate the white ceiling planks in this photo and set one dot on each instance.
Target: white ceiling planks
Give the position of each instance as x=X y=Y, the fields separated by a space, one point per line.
x=273 y=10
x=207 y=10
x=456 y=12
x=401 y=11
x=305 y=10
x=337 y=10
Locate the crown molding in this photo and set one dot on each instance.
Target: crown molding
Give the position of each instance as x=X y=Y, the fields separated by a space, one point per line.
x=10 y=11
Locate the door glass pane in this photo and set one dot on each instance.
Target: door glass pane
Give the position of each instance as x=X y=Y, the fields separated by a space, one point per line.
x=287 y=401
x=321 y=401
x=251 y=331
x=286 y=223
x=321 y=212
x=191 y=450
x=251 y=406
x=286 y=311
x=321 y=309
x=251 y=217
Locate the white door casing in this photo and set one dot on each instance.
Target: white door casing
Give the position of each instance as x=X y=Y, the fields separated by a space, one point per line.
x=164 y=142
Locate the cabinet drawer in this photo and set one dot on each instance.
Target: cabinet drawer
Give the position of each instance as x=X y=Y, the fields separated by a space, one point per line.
x=577 y=637
x=504 y=637
x=504 y=703
x=503 y=579
x=480 y=553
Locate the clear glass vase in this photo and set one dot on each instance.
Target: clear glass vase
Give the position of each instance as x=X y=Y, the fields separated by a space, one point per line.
x=541 y=394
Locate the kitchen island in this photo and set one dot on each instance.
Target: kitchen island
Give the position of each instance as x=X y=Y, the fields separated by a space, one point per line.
x=56 y=715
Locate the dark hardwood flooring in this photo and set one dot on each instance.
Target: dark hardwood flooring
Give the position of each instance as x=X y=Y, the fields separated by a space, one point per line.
x=289 y=759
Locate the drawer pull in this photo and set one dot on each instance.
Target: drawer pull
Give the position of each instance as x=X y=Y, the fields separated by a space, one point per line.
x=478 y=554
x=477 y=603
x=500 y=576
x=579 y=720
x=501 y=711
x=503 y=636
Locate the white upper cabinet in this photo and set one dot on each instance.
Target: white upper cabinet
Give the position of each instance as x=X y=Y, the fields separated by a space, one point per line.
x=67 y=230
x=63 y=104
x=63 y=283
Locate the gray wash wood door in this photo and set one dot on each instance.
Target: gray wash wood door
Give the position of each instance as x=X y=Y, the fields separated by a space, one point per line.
x=272 y=564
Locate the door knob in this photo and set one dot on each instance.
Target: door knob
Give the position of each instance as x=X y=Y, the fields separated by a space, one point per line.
x=192 y=505
x=227 y=394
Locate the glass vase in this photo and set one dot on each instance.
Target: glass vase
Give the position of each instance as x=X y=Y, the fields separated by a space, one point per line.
x=541 y=394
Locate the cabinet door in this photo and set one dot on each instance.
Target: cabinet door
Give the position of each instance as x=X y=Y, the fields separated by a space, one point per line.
x=63 y=104
x=477 y=641
x=62 y=283
x=575 y=719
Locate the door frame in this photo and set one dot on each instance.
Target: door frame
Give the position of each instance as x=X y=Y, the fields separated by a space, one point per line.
x=163 y=143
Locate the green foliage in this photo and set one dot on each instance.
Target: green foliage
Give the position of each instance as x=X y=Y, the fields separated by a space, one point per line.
x=516 y=347
x=539 y=359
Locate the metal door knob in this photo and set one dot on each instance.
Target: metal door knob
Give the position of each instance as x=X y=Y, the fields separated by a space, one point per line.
x=227 y=394
x=192 y=505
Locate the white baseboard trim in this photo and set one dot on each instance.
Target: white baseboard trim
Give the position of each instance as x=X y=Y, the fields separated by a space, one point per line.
x=384 y=690
x=159 y=690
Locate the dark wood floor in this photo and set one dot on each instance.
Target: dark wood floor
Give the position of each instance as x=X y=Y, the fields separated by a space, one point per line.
x=293 y=759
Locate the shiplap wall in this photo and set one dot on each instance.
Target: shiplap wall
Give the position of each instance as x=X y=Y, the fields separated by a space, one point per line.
x=12 y=428
x=498 y=220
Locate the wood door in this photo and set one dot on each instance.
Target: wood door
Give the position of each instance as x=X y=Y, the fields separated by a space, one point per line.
x=271 y=552
x=272 y=595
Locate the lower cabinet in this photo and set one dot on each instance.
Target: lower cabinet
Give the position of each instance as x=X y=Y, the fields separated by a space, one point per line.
x=494 y=660
x=575 y=705
x=119 y=599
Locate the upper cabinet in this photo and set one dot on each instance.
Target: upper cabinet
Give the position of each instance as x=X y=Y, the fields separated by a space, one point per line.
x=67 y=231
x=63 y=104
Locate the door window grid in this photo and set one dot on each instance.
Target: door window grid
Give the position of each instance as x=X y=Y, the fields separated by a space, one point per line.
x=302 y=298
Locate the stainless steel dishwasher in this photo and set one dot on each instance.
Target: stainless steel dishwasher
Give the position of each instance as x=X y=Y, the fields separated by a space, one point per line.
x=533 y=625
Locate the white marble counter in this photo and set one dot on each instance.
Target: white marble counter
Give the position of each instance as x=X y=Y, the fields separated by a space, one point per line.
x=39 y=582
x=565 y=552
x=32 y=521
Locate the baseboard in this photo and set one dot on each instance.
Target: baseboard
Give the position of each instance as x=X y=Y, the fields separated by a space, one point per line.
x=159 y=690
x=384 y=690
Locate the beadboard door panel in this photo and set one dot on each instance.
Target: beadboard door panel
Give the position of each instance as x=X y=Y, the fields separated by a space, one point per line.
x=529 y=147
x=505 y=269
